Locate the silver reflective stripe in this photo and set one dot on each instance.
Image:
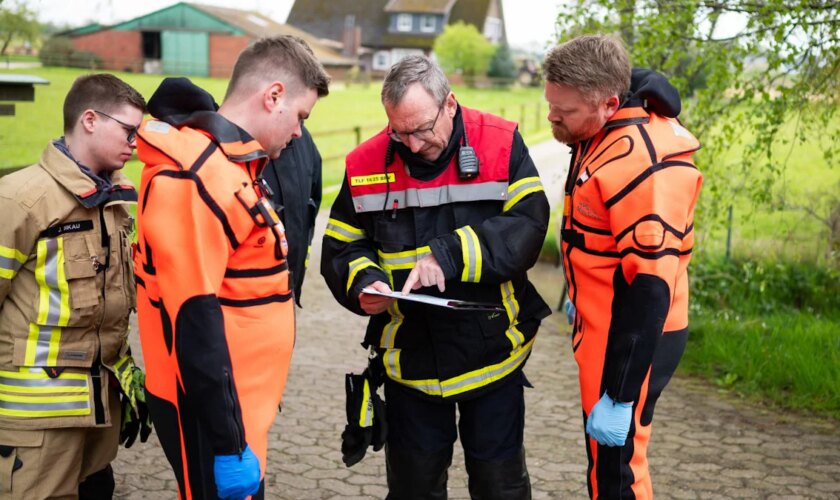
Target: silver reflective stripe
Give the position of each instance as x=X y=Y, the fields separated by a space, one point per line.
x=535 y=183
x=42 y=345
x=10 y=264
x=49 y=382
x=389 y=260
x=471 y=264
x=76 y=405
x=345 y=235
x=51 y=279
x=432 y=197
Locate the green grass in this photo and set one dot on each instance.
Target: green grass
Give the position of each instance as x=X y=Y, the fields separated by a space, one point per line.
x=789 y=360
x=769 y=330
x=23 y=136
x=762 y=230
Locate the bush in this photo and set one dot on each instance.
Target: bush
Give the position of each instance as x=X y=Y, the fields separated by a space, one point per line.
x=59 y=51
x=56 y=51
x=755 y=287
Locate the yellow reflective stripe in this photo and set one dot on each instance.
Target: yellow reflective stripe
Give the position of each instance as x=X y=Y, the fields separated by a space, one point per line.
x=53 y=304
x=343 y=231
x=11 y=260
x=356 y=266
x=13 y=253
x=463 y=383
x=391 y=360
x=36 y=381
x=44 y=406
x=389 y=333
x=366 y=411
x=308 y=253
x=520 y=189
x=471 y=253
x=41 y=278
x=512 y=309
x=393 y=261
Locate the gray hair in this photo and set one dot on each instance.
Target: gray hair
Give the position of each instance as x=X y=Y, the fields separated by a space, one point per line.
x=411 y=70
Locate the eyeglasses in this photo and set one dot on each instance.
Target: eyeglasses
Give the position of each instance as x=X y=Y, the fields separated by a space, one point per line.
x=131 y=129
x=422 y=134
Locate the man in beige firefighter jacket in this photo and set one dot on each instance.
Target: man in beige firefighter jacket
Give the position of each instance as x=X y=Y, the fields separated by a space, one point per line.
x=66 y=291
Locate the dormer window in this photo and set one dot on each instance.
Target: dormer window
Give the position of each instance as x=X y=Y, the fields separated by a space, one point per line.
x=427 y=24
x=403 y=22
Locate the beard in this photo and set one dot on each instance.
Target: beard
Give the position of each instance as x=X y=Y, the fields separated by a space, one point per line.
x=587 y=129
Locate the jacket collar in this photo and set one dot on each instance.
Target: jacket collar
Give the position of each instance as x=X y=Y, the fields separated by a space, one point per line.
x=69 y=175
x=236 y=143
x=630 y=113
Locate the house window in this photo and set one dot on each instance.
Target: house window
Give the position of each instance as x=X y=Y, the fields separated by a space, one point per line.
x=382 y=60
x=403 y=22
x=398 y=55
x=493 y=29
x=427 y=24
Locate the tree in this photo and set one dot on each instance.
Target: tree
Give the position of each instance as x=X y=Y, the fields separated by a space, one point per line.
x=782 y=66
x=502 y=65
x=16 y=21
x=462 y=49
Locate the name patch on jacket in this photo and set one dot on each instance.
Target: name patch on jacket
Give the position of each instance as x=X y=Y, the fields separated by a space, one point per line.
x=66 y=228
x=367 y=180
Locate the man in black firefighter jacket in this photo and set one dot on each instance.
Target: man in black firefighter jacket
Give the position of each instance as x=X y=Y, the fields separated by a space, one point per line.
x=446 y=201
x=295 y=182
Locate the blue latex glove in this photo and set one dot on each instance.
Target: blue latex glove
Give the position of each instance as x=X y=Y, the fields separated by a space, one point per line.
x=569 y=309
x=237 y=477
x=609 y=421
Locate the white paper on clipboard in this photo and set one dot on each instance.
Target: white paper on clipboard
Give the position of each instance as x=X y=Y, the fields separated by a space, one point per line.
x=463 y=305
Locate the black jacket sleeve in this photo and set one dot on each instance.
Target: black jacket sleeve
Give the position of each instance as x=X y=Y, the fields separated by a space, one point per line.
x=348 y=256
x=505 y=245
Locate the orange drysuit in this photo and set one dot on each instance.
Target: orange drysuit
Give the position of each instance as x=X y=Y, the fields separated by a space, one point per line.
x=215 y=315
x=627 y=240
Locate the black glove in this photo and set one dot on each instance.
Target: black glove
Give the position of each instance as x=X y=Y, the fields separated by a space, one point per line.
x=366 y=424
x=135 y=414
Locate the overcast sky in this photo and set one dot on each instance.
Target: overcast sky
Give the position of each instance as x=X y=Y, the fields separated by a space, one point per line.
x=530 y=23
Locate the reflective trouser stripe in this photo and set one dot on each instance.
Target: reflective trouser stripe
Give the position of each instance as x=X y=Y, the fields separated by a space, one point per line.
x=11 y=260
x=53 y=304
x=343 y=231
x=463 y=383
x=512 y=309
x=471 y=253
x=30 y=392
x=520 y=189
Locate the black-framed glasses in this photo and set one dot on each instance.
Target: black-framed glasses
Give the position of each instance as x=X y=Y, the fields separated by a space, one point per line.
x=422 y=134
x=131 y=129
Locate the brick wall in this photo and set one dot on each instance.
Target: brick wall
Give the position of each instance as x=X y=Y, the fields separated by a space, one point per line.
x=119 y=50
x=224 y=49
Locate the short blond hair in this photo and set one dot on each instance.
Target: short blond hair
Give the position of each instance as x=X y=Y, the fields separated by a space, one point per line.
x=597 y=66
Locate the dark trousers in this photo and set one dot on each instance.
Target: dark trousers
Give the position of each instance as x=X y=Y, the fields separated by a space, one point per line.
x=422 y=432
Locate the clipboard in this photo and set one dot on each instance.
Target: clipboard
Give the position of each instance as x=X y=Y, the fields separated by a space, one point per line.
x=460 y=305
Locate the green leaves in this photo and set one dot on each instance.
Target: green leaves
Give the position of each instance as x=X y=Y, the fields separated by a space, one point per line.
x=744 y=69
x=462 y=49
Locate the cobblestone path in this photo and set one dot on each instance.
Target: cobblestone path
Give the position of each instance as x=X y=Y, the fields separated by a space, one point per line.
x=704 y=445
